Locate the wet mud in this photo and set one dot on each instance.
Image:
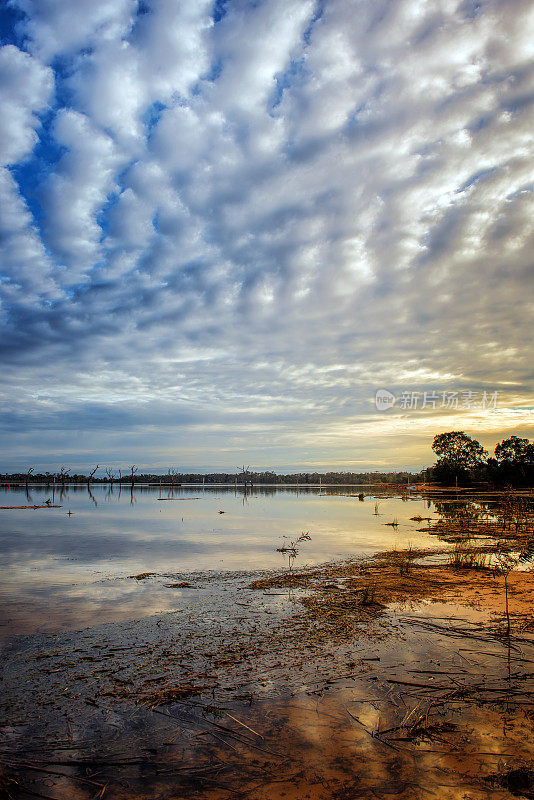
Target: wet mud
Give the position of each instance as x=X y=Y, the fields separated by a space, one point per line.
x=263 y=690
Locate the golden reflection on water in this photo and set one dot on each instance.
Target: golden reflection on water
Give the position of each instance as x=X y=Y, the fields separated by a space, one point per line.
x=388 y=730
x=322 y=748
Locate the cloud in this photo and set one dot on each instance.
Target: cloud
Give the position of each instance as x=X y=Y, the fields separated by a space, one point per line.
x=59 y=27
x=25 y=89
x=274 y=211
x=25 y=266
x=74 y=194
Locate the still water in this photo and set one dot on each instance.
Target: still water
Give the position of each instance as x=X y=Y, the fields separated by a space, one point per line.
x=70 y=567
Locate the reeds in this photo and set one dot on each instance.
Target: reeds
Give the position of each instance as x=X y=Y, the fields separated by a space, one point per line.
x=292 y=549
x=465 y=556
x=402 y=559
x=368 y=595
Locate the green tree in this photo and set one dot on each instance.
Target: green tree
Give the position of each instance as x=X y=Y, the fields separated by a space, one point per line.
x=457 y=454
x=515 y=450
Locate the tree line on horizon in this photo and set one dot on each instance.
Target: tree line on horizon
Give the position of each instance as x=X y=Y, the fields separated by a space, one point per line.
x=248 y=477
x=461 y=460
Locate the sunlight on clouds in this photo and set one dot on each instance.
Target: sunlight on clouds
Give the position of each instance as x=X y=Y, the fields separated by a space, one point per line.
x=260 y=220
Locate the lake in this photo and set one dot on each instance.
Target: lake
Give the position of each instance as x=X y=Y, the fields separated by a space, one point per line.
x=62 y=571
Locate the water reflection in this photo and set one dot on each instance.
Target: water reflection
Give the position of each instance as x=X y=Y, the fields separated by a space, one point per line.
x=415 y=717
x=69 y=566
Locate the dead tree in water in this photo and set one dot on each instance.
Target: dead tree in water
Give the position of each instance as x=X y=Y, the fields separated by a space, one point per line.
x=110 y=475
x=245 y=471
x=62 y=475
x=89 y=479
x=28 y=476
x=171 y=475
x=133 y=470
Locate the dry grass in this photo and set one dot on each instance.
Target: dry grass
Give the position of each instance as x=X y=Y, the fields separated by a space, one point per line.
x=171 y=693
x=342 y=597
x=181 y=585
x=143 y=576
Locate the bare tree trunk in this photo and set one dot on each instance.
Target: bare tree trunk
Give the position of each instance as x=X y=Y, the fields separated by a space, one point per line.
x=506 y=599
x=91 y=475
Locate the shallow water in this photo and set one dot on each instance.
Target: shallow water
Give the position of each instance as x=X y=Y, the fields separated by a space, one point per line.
x=422 y=699
x=419 y=712
x=62 y=571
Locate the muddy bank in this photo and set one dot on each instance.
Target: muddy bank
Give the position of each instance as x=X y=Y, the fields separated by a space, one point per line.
x=359 y=590
x=386 y=677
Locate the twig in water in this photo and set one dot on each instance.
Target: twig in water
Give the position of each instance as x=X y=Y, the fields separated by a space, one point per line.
x=243 y=724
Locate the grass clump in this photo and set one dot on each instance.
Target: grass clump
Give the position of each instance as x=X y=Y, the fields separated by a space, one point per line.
x=466 y=556
x=368 y=595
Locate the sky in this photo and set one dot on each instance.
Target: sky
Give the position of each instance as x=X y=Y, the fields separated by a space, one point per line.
x=225 y=225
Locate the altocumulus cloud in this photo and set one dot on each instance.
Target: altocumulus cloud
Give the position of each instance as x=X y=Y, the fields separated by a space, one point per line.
x=225 y=225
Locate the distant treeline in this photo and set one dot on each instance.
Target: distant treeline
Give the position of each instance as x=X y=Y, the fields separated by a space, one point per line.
x=250 y=478
x=461 y=461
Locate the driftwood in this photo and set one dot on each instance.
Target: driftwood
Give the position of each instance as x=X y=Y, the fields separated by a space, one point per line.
x=46 y=505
